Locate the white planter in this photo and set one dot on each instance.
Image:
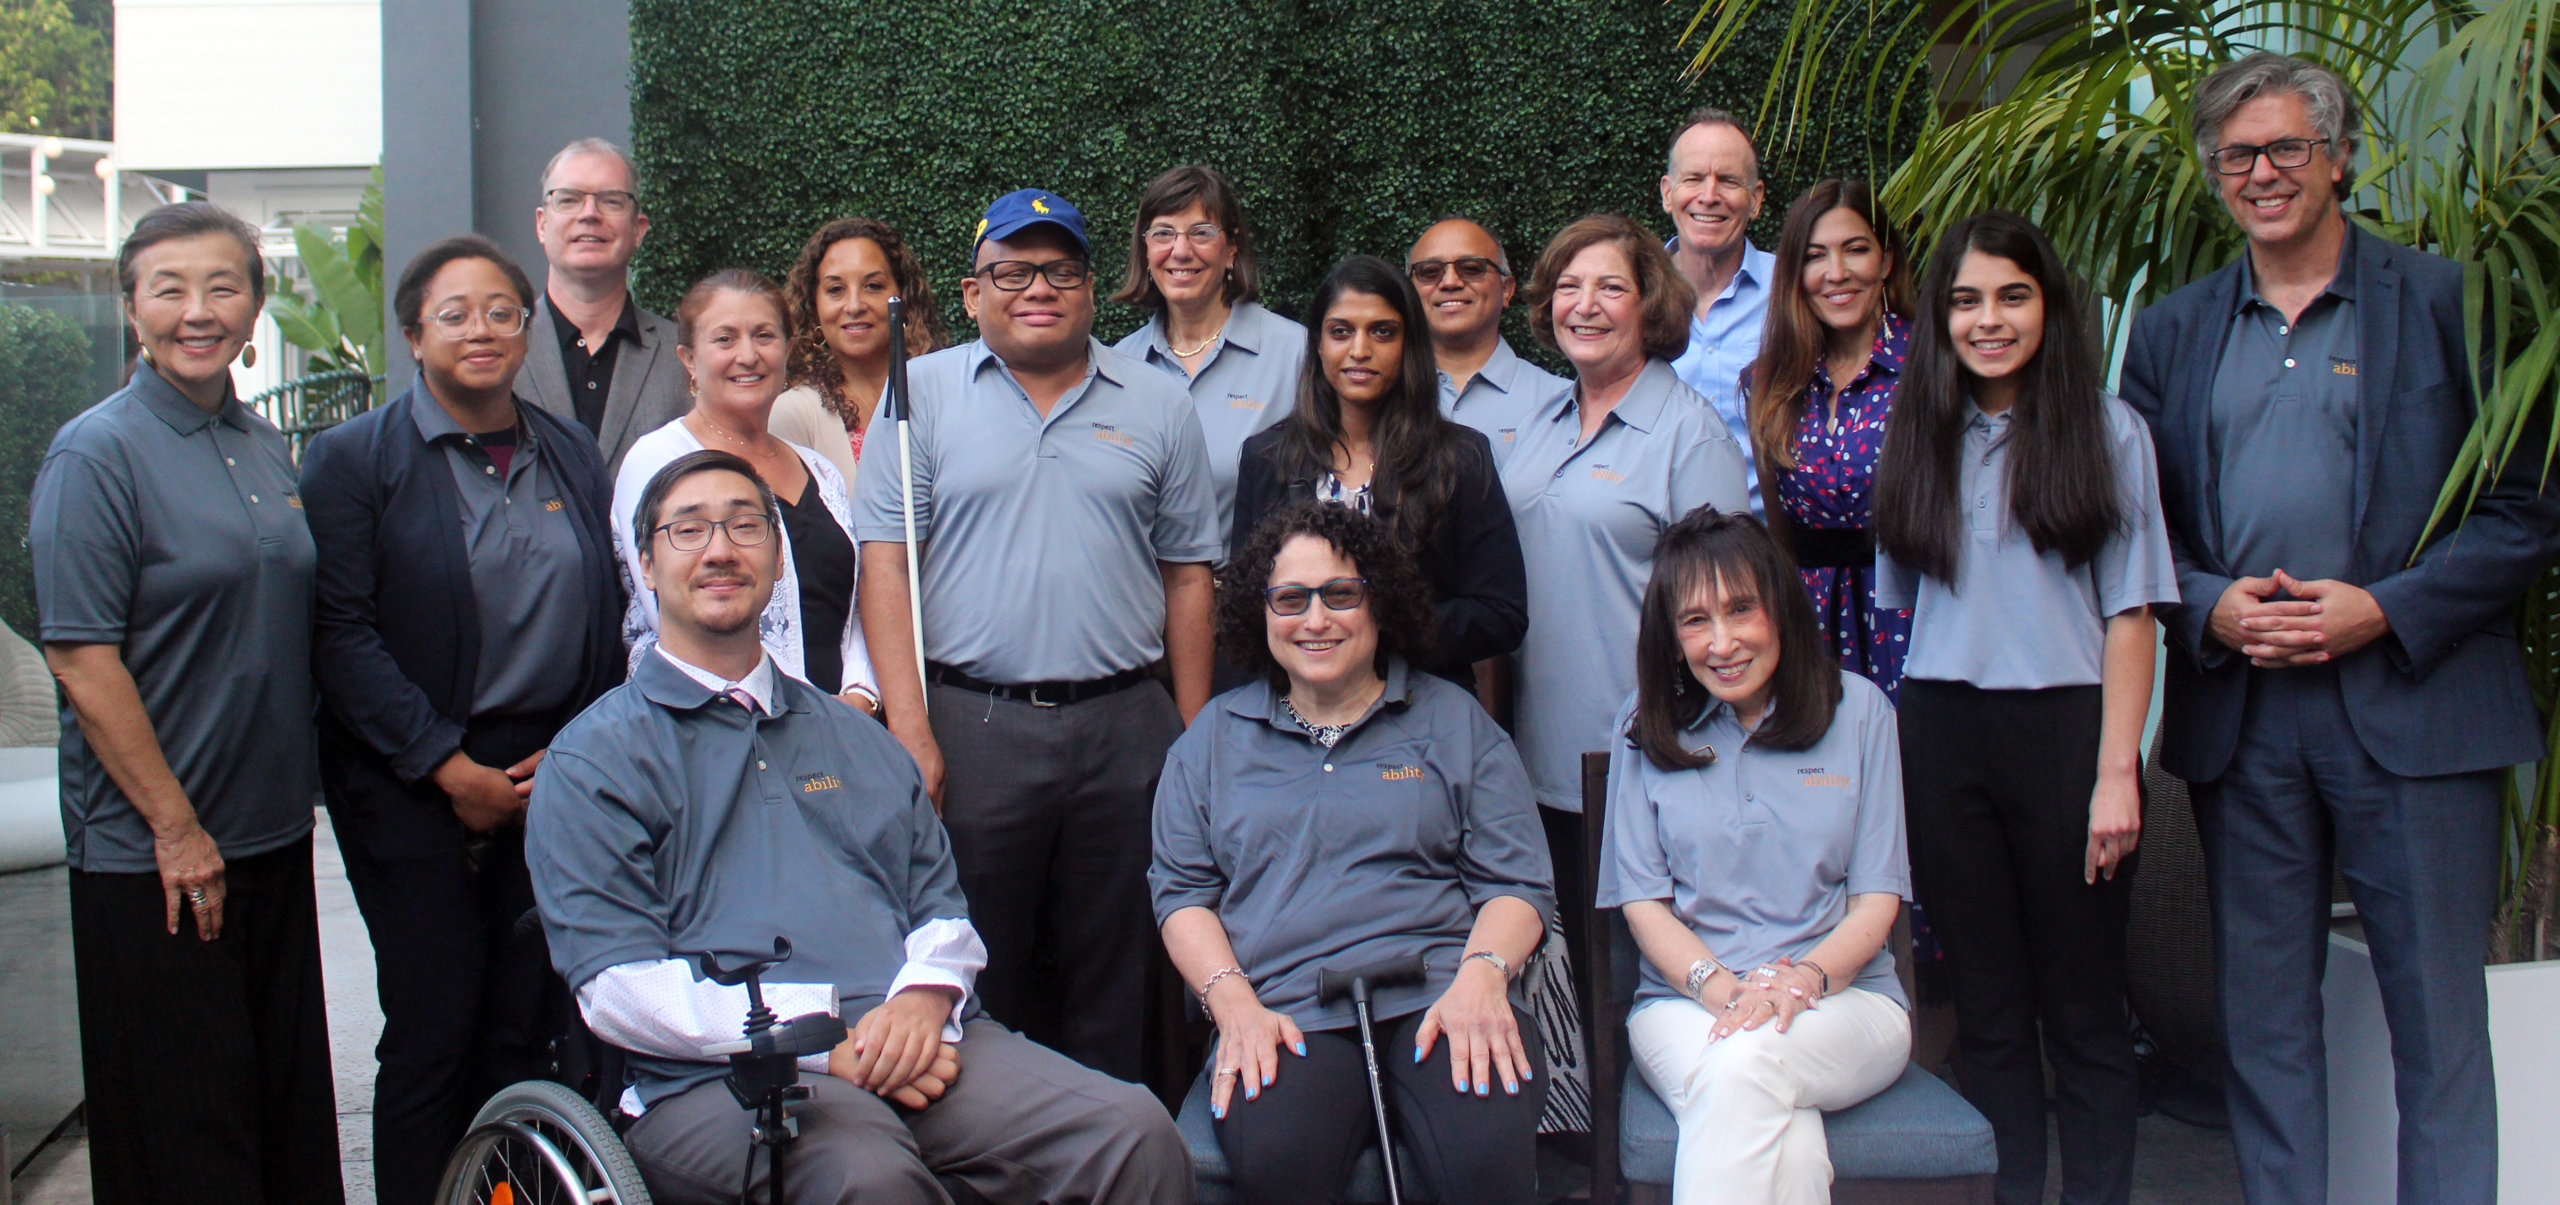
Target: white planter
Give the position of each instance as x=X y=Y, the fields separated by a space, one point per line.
x=2364 y=1123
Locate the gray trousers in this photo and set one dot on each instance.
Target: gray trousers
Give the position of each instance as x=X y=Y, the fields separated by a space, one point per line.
x=2420 y=857
x=1051 y=814
x=1021 y=1126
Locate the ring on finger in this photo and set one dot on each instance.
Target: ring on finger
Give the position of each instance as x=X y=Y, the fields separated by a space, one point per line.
x=1227 y=1073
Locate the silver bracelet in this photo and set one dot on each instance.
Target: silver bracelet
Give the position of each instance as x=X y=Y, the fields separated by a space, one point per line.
x=1500 y=964
x=1237 y=972
x=1703 y=970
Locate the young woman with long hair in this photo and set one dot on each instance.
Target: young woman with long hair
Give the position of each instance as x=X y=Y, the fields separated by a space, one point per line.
x=1832 y=352
x=2018 y=514
x=838 y=290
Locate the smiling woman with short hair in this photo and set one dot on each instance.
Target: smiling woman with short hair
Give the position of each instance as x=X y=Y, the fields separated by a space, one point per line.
x=1340 y=810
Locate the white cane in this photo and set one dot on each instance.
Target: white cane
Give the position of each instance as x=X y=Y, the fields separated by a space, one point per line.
x=899 y=408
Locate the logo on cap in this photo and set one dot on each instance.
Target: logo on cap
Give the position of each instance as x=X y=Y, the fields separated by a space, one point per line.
x=1039 y=205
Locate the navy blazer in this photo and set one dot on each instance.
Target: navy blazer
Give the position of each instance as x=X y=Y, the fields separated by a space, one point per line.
x=396 y=639
x=2445 y=691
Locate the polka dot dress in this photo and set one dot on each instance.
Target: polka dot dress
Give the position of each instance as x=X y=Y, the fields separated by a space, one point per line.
x=1832 y=486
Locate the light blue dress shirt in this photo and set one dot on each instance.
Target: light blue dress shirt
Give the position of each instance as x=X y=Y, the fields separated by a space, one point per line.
x=1588 y=516
x=2016 y=618
x=1248 y=382
x=1725 y=342
x=1501 y=396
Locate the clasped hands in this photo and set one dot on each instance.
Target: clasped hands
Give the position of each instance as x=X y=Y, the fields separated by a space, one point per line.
x=896 y=1050
x=1775 y=992
x=2321 y=621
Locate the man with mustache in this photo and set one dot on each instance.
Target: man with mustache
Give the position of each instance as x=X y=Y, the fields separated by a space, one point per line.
x=714 y=803
x=2333 y=699
x=1068 y=520
x=593 y=354
x=1711 y=189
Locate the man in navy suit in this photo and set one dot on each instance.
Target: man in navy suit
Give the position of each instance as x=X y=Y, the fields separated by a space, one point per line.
x=2338 y=694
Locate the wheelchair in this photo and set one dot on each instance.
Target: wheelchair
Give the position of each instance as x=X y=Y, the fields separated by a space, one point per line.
x=546 y=1142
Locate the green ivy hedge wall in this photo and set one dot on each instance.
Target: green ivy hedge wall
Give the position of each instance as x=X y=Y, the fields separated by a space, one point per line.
x=46 y=377
x=1347 y=125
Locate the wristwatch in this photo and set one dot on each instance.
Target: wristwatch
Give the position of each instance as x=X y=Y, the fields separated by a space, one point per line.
x=1703 y=970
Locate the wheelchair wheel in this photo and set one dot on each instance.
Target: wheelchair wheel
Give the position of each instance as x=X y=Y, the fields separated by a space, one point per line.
x=537 y=1143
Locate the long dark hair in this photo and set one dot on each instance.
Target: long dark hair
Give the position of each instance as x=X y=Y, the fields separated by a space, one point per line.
x=2061 y=478
x=813 y=363
x=1418 y=450
x=1706 y=551
x=1792 y=342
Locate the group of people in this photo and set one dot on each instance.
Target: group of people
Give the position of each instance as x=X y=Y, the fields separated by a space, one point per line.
x=1251 y=650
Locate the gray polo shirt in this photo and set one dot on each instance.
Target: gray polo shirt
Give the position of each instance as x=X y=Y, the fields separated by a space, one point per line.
x=1248 y=382
x=1588 y=515
x=2282 y=431
x=1383 y=846
x=668 y=820
x=526 y=578
x=1760 y=851
x=2015 y=618
x=1041 y=535
x=179 y=536
x=1501 y=396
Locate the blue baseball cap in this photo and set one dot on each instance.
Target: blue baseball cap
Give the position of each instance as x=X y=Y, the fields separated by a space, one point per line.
x=1023 y=209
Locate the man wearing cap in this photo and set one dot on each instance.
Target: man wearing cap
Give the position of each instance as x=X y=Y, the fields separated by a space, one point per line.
x=1466 y=282
x=1066 y=520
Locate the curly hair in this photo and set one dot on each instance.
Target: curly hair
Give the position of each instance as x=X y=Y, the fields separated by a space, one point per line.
x=813 y=363
x=1399 y=598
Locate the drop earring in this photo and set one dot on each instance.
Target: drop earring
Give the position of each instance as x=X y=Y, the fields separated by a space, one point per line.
x=248 y=355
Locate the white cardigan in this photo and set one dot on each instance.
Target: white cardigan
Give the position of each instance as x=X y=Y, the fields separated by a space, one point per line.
x=779 y=626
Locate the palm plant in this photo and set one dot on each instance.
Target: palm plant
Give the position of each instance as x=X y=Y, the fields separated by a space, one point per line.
x=340 y=324
x=2075 y=113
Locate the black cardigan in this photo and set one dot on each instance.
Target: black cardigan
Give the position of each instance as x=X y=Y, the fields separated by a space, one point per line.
x=395 y=644
x=1478 y=587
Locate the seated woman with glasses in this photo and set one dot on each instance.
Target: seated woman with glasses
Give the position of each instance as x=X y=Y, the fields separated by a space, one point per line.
x=467 y=606
x=733 y=333
x=1191 y=261
x=1754 y=845
x=1340 y=810
x=1367 y=433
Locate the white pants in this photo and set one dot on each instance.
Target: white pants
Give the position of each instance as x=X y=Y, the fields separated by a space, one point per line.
x=1750 y=1106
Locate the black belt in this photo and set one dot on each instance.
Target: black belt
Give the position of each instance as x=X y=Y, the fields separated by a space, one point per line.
x=1038 y=694
x=1833 y=547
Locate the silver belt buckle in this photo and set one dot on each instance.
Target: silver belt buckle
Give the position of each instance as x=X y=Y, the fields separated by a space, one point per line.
x=1032 y=694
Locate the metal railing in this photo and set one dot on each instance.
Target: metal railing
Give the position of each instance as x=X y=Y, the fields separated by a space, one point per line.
x=310 y=405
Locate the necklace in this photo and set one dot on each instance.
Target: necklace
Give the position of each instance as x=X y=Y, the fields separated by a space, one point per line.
x=1196 y=348
x=1325 y=734
x=722 y=432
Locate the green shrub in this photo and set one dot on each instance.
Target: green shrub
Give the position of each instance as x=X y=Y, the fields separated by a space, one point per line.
x=1348 y=125
x=45 y=379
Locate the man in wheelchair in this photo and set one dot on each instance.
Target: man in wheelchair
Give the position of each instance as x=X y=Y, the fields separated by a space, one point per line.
x=713 y=803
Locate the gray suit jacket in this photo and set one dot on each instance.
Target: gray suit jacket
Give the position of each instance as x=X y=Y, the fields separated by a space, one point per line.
x=2445 y=692
x=648 y=391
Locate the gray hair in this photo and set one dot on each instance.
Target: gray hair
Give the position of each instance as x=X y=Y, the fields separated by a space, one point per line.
x=1709 y=115
x=2325 y=97
x=592 y=146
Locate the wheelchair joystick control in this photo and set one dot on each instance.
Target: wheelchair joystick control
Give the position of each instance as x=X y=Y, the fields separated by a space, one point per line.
x=764 y=1064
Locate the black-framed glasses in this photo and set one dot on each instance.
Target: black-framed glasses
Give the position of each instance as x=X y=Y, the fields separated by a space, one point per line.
x=1470 y=268
x=694 y=535
x=502 y=319
x=1014 y=275
x=1202 y=234
x=2240 y=160
x=1340 y=594
x=611 y=202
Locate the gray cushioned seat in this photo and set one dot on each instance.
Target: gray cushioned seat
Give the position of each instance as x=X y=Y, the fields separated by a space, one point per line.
x=1917 y=1129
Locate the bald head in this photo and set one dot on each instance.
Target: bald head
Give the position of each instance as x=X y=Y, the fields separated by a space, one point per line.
x=1462 y=312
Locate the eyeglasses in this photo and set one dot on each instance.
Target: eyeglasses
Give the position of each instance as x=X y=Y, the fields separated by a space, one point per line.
x=1014 y=275
x=1202 y=235
x=501 y=319
x=1340 y=594
x=2239 y=160
x=694 y=535
x=611 y=202
x=1470 y=268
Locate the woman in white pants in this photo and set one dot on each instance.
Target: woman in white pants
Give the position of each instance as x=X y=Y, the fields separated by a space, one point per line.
x=1755 y=846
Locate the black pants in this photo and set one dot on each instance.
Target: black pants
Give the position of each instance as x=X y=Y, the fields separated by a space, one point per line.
x=1996 y=786
x=462 y=983
x=1051 y=813
x=1574 y=893
x=1297 y=1141
x=207 y=1063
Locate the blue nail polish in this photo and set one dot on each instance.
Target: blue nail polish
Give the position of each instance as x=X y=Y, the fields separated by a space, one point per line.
x=1417 y=1054
x=1483 y=1089
x=1220 y=1112
x=1266 y=1079
x=1526 y=1073
x=1513 y=1089
x=1462 y=1086
x=1252 y=1093
x=1300 y=1047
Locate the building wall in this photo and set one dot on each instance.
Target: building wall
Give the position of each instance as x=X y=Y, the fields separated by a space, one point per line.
x=216 y=84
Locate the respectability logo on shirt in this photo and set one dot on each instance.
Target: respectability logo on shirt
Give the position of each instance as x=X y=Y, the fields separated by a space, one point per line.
x=1398 y=773
x=820 y=782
